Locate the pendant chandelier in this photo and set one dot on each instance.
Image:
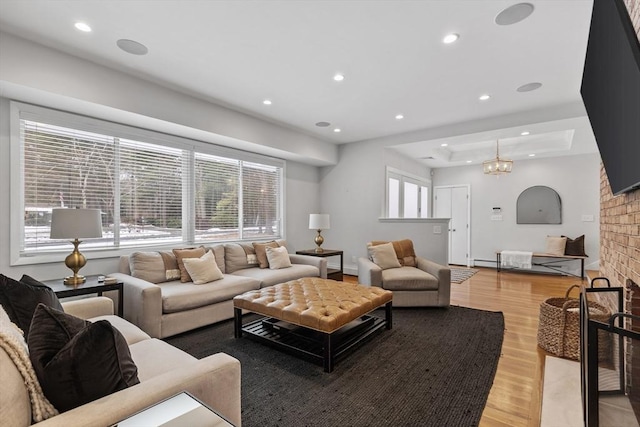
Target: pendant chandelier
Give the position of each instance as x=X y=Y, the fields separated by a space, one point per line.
x=497 y=166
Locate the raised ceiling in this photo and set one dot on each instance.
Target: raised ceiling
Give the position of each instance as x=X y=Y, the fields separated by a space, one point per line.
x=239 y=53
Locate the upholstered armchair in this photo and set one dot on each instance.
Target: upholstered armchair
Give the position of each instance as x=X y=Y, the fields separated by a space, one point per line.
x=415 y=281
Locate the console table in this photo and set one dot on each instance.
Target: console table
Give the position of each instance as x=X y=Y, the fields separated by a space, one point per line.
x=332 y=273
x=550 y=264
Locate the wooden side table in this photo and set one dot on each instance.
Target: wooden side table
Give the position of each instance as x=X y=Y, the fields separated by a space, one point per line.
x=332 y=273
x=91 y=286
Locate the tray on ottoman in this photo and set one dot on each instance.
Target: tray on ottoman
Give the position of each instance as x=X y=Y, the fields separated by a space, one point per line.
x=318 y=319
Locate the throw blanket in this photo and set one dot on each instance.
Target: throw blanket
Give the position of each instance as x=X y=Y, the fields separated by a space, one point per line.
x=13 y=343
x=517 y=259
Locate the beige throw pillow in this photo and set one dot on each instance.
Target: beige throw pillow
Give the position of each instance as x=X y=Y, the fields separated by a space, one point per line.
x=154 y=267
x=278 y=257
x=181 y=254
x=204 y=269
x=384 y=256
x=555 y=245
x=261 y=253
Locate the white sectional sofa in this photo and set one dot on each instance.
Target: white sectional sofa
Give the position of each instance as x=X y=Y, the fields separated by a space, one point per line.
x=163 y=371
x=172 y=307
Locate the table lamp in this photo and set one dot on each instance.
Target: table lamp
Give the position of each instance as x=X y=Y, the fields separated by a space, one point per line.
x=75 y=224
x=319 y=222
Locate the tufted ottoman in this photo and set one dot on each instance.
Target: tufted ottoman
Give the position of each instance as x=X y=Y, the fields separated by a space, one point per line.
x=318 y=319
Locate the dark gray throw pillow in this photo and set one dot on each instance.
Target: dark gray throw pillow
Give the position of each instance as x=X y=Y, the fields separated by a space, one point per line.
x=77 y=361
x=575 y=247
x=19 y=299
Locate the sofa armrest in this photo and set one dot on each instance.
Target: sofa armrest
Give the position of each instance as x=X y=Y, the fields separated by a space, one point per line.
x=215 y=380
x=142 y=303
x=89 y=307
x=369 y=273
x=319 y=263
x=443 y=274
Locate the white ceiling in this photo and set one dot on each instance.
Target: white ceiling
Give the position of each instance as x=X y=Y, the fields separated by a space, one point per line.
x=238 y=53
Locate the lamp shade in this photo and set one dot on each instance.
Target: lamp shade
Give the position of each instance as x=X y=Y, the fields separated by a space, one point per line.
x=319 y=222
x=76 y=224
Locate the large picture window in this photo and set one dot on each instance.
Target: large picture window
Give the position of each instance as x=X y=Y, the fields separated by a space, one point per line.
x=152 y=189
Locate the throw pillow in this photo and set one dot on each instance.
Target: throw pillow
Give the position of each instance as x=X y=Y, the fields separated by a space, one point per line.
x=77 y=361
x=404 y=251
x=384 y=256
x=575 y=247
x=186 y=253
x=154 y=267
x=204 y=269
x=555 y=245
x=278 y=257
x=20 y=299
x=218 y=254
x=261 y=252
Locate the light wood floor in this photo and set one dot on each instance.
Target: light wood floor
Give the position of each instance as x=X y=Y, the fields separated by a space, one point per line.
x=515 y=397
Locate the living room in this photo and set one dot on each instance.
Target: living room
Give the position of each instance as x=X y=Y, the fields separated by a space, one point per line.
x=338 y=173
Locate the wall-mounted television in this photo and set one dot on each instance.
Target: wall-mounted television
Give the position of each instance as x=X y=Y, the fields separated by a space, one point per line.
x=611 y=92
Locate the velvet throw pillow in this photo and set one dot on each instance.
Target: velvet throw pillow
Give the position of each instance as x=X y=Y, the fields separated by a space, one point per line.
x=555 y=245
x=20 y=299
x=261 y=252
x=77 y=361
x=204 y=269
x=575 y=247
x=278 y=258
x=186 y=253
x=383 y=255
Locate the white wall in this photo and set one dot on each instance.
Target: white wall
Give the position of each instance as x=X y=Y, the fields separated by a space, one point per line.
x=353 y=193
x=575 y=178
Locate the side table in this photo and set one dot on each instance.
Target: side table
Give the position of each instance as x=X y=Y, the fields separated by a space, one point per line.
x=332 y=273
x=91 y=286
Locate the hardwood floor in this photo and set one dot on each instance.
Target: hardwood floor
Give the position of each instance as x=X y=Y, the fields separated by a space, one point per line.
x=515 y=397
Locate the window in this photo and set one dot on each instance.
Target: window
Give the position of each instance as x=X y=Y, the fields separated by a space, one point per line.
x=152 y=189
x=407 y=195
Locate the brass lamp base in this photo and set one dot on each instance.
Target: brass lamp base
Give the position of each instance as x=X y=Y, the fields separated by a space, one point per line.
x=75 y=261
x=319 y=240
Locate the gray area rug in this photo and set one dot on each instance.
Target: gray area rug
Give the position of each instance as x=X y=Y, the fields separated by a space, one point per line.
x=434 y=368
x=459 y=275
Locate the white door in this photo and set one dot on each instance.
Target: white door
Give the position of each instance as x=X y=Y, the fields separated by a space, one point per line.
x=453 y=202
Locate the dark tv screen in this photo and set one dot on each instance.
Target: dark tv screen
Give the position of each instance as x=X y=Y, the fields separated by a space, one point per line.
x=611 y=92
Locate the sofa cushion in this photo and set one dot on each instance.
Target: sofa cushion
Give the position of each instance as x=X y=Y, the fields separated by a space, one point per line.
x=186 y=253
x=278 y=258
x=404 y=251
x=145 y=355
x=78 y=361
x=154 y=267
x=20 y=299
x=383 y=255
x=575 y=247
x=273 y=277
x=218 y=253
x=261 y=252
x=408 y=279
x=204 y=269
x=131 y=333
x=177 y=296
x=555 y=245
x=235 y=257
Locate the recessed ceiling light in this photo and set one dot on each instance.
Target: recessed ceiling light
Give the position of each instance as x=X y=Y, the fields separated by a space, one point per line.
x=529 y=87
x=514 y=14
x=338 y=77
x=532 y=155
x=132 y=47
x=450 y=38
x=337 y=130
x=267 y=102
x=323 y=124
x=82 y=27
x=399 y=117
x=444 y=144
x=484 y=97
x=525 y=133
x=469 y=161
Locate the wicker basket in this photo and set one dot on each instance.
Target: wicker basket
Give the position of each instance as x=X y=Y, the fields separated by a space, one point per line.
x=559 y=326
